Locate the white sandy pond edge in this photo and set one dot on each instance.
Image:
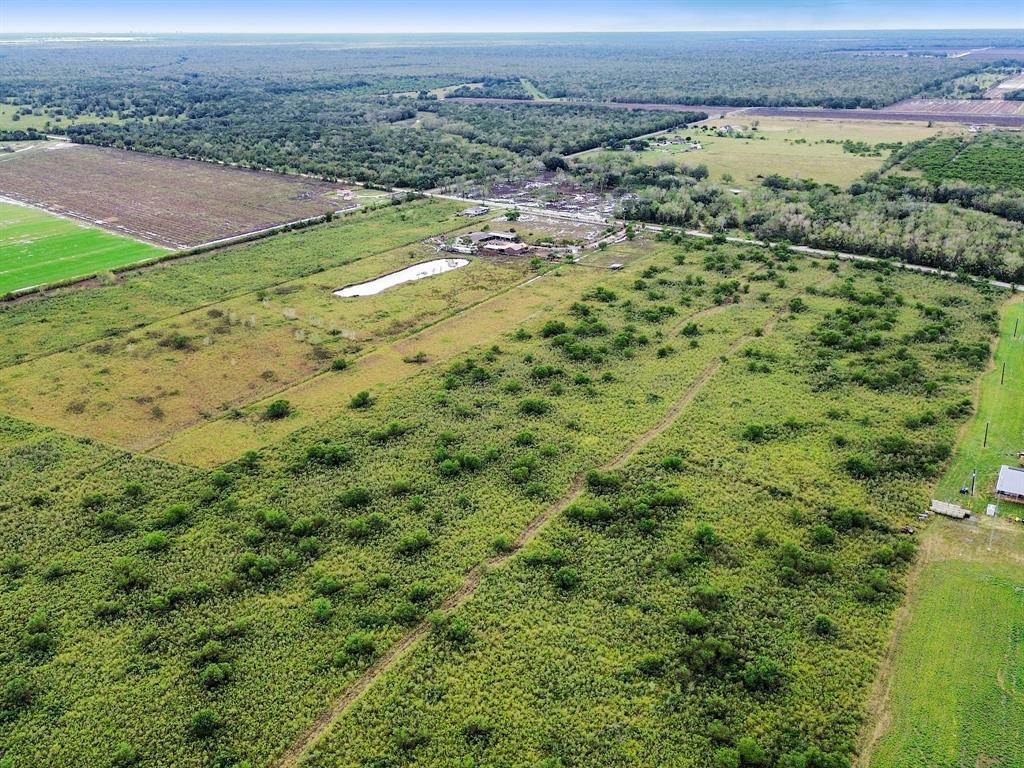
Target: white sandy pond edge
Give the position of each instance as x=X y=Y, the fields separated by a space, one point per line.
x=405 y=275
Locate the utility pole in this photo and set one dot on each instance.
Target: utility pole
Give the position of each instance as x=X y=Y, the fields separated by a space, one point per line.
x=974 y=476
x=984 y=443
x=1002 y=376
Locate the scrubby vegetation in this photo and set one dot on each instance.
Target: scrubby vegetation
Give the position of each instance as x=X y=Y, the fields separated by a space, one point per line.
x=222 y=610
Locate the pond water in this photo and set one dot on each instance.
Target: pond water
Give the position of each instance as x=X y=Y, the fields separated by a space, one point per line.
x=415 y=272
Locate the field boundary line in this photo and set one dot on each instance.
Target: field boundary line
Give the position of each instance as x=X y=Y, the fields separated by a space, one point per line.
x=300 y=749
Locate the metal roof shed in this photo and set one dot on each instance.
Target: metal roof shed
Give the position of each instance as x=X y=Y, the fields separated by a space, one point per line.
x=1010 y=485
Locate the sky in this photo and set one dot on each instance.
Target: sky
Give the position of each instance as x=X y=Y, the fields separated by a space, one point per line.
x=461 y=16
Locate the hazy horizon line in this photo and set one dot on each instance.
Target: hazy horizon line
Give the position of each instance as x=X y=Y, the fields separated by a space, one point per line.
x=269 y=33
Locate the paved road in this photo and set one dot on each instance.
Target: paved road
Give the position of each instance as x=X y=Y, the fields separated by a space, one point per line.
x=1007 y=121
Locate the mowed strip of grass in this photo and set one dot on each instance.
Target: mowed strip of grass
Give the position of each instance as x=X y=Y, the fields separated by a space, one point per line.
x=37 y=248
x=958 y=686
x=1000 y=412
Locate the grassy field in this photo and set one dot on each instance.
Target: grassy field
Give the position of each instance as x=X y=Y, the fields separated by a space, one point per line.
x=957 y=697
x=7 y=123
x=140 y=389
x=37 y=248
x=806 y=149
x=953 y=691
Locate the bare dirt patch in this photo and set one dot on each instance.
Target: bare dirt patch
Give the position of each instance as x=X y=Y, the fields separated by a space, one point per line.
x=172 y=202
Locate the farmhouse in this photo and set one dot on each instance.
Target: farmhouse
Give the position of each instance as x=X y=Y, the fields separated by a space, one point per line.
x=476 y=210
x=1010 y=485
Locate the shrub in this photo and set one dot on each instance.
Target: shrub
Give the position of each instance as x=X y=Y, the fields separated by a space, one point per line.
x=125 y=756
x=534 y=406
x=360 y=400
x=414 y=542
x=56 y=570
x=823 y=535
x=477 y=730
x=458 y=631
x=725 y=757
x=359 y=644
x=353 y=498
x=129 y=574
x=274 y=520
x=762 y=674
x=553 y=328
x=339 y=364
x=323 y=609
x=420 y=592
x=155 y=541
x=692 y=622
x=221 y=480
x=567 y=579
x=173 y=515
x=214 y=675
x=17 y=694
x=328 y=455
x=824 y=626
x=672 y=463
x=277 y=410
x=752 y=754
x=204 y=723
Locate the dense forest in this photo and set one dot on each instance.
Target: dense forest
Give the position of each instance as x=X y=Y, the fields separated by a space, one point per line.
x=418 y=144
x=769 y=69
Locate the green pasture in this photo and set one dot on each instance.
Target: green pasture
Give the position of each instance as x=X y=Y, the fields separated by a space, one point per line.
x=957 y=695
x=796 y=148
x=37 y=249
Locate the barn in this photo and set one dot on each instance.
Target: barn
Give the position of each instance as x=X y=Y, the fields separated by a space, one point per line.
x=1010 y=485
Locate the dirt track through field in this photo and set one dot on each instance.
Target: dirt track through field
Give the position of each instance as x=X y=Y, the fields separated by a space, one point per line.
x=302 y=746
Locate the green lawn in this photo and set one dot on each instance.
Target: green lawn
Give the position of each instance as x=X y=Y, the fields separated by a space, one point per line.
x=1001 y=408
x=37 y=248
x=958 y=688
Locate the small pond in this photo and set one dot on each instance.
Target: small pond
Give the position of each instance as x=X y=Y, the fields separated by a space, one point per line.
x=415 y=272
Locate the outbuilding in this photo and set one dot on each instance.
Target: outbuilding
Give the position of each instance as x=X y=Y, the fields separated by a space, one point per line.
x=1010 y=485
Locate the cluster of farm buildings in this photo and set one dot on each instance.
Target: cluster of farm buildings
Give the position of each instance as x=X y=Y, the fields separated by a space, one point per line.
x=489 y=241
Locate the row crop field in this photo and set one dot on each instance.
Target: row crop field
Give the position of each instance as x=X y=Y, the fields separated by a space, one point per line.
x=167 y=201
x=979 y=108
x=993 y=159
x=37 y=248
x=632 y=523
